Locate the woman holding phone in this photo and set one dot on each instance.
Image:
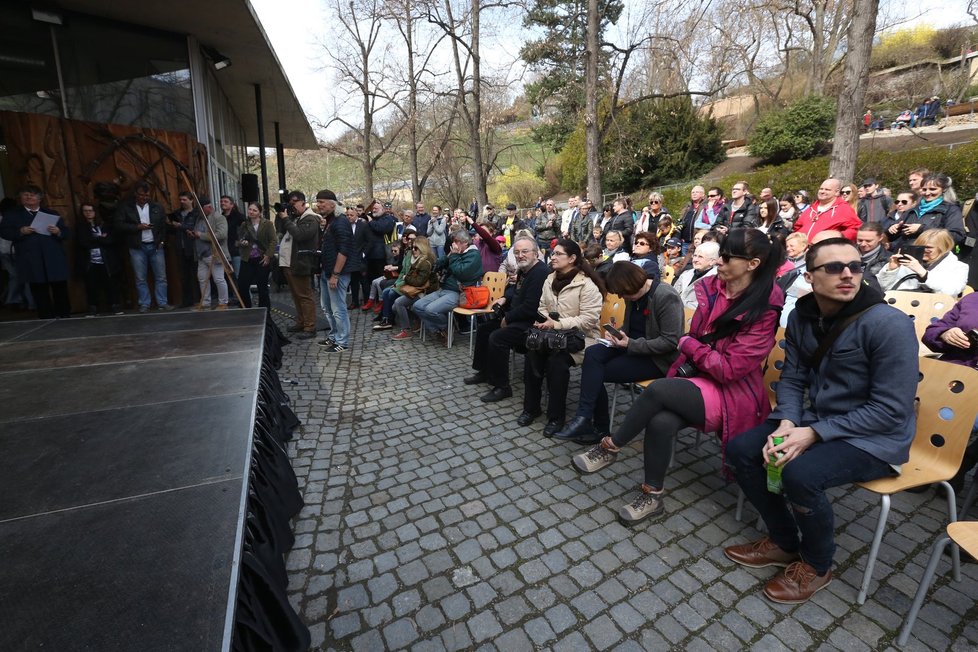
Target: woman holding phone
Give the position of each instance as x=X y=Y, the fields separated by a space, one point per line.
x=937 y=270
x=642 y=347
x=716 y=382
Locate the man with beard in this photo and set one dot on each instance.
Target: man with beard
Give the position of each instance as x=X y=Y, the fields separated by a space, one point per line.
x=515 y=313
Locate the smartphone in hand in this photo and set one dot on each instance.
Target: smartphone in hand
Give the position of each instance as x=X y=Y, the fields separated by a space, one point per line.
x=614 y=332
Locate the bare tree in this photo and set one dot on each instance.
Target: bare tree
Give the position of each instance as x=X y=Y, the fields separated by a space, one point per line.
x=420 y=82
x=462 y=26
x=362 y=60
x=845 y=146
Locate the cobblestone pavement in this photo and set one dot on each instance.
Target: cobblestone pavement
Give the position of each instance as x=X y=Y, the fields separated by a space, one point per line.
x=433 y=522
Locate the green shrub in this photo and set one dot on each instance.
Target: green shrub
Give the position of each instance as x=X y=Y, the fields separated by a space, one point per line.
x=518 y=186
x=797 y=132
x=652 y=142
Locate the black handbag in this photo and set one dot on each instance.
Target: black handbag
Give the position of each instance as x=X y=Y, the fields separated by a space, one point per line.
x=570 y=340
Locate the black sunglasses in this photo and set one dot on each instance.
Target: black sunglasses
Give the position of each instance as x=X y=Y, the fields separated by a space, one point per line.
x=835 y=267
x=727 y=256
x=713 y=196
x=903 y=201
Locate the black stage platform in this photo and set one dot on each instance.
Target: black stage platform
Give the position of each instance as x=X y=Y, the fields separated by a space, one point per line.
x=125 y=446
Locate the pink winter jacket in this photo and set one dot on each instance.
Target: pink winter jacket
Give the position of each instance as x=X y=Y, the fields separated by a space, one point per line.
x=734 y=362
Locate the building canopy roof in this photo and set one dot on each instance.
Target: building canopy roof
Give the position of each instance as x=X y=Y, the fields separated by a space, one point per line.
x=231 y=28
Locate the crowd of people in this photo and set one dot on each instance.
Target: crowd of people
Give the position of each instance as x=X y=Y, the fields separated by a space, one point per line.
x=743 y=266
x=136 y=230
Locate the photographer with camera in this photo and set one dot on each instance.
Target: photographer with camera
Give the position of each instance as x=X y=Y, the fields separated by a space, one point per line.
x=513 y=314
x=929 y=265
x=716 y=383
x=569 y=311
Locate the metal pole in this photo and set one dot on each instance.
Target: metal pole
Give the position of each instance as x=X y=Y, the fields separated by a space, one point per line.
x=280 y=154
x=57 y=67
x=261 y=149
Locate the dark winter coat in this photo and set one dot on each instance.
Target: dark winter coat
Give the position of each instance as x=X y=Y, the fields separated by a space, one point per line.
x=126 y=223
x=39 y=258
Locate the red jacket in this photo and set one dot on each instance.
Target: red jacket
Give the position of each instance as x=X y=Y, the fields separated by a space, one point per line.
x=735 y=362
x=840 y=217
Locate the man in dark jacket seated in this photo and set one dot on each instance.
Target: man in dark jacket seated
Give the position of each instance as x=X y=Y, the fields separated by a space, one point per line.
x=854 y=358
x=516 y=310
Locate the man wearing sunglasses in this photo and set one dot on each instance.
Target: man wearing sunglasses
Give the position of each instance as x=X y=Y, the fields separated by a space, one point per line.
x=845 y=412
x=874 y=205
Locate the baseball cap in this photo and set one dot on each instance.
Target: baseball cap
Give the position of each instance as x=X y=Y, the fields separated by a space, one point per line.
x=674 y=242
x=870 y=181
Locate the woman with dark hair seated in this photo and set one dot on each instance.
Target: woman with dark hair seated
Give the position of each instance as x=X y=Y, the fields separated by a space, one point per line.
x=571 y=299
x=716 y=383
x=645 y=349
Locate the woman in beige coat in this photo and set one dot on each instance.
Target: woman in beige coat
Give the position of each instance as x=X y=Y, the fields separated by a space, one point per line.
x=572 y=298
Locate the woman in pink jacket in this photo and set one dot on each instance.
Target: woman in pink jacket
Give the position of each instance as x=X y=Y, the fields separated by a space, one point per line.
x=716 y=383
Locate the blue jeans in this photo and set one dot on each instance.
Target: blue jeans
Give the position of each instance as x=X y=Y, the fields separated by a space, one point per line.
x=433 y=309
x=141 y=258
x=388 y=296
x=803 y=483
x=603 y=364
x=334 y=307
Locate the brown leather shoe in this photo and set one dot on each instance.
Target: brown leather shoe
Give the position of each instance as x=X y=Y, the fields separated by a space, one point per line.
x=796 y=584
x=760 y=554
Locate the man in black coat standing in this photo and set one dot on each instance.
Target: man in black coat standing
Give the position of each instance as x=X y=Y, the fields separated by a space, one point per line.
x=382 y=227
x=39 y=254
x=361 y=237
x=517 y=310
x=143 y=225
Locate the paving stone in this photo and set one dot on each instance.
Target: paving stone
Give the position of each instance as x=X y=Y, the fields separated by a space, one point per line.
x=406 y=602
x=343 y=626
x=416 y=538
x=400 y=633
x=561 y=618
x=514 y=641
x=484 y=626
x=602 y=632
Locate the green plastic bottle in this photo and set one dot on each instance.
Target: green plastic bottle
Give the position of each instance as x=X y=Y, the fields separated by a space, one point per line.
x=774 y=471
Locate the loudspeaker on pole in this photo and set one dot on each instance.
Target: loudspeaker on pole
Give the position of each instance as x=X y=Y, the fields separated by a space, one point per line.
x=249 y=187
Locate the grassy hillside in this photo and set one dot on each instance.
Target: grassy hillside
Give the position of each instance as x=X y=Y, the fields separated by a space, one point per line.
x=313 y=170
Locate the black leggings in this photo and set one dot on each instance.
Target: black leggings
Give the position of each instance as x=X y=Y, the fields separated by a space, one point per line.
x=662 y=410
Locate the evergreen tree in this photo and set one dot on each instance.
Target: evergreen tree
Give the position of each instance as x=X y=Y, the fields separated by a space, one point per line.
x=559 y=55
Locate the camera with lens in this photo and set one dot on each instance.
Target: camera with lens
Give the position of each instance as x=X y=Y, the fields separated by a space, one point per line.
x=687 y=370
x=498 y=311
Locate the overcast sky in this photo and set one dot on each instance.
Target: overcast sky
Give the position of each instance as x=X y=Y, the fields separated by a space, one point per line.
x=295 y=27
